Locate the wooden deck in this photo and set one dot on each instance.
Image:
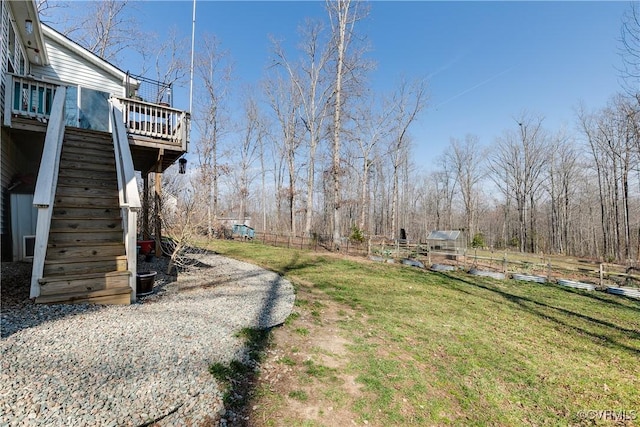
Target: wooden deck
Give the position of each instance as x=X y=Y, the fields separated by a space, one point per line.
x=156 y=132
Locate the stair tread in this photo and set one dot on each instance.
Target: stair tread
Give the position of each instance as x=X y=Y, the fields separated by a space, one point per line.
x=84 y=276
x=83 y=218
x=83 y=296
x=86 y=230
x=80 y=244
x=74 y=260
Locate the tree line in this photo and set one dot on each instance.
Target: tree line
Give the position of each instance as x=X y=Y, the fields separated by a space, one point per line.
x=313 y=150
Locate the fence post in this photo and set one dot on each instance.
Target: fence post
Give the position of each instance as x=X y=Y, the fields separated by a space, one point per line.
x=504 y=264
x=276 y=240
x=601 y=274
x=549 y=271
x=302 y=241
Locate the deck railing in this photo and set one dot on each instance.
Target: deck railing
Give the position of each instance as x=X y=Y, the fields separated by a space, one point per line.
x=156 y=121
x=28 y=97
x=31 y=97
x=127 y=190
x=46 y=187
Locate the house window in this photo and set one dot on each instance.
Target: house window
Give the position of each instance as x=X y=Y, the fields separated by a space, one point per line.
x=16 y=61
x=11 y=49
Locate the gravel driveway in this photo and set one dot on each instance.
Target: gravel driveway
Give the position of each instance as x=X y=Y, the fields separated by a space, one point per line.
x=94 y=365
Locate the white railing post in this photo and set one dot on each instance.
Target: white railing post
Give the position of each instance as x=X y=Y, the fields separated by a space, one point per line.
x=8 y=99
x=46 y=186
x=127 y=189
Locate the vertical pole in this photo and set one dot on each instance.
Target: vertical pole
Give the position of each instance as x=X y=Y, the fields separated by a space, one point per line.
x=158 y=203
x=601 y=274
x=193 y=41
x=145 y=206
x=504 y=264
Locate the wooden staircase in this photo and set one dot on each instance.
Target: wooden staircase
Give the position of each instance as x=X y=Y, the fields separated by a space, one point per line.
x=86 y=259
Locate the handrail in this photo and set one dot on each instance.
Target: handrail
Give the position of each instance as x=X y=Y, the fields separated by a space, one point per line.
x=127 y=190
x=126 y=175
x=29 y=96
x=46 y=185
x=48 y=172
x=155 y=121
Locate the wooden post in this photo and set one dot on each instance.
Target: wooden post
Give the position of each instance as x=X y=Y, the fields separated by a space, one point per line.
x=504 y=264
x=145 y=206
x=601 y=275
x=158 y=203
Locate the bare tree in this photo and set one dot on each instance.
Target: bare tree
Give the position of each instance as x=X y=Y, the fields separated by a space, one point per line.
x=343 y=14
x=517 y=165
x=630 y=51
x=467 y=161
x=309 y=77
x=407 y=102
x=563 y=174
x=106 y=28
x=285 y=100
x=372 y=127
x=214 y=70
x=182 y=221
x=247 y=152
x=170 y=63
x=444 y=184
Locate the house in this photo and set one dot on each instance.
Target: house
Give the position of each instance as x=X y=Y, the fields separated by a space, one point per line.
x=73 y=135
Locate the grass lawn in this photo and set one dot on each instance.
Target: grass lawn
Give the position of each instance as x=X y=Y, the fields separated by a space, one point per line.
x=436 y=349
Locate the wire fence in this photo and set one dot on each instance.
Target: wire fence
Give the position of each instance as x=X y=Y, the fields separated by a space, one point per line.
x=149 y=90
x=548 y=267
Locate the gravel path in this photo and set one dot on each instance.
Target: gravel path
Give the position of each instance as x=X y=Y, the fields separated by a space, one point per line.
x=94 y=365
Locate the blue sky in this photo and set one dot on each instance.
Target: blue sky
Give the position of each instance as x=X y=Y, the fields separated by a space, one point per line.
x=486 y=62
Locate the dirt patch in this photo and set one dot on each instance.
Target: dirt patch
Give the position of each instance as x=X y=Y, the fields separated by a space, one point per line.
x=305 y=378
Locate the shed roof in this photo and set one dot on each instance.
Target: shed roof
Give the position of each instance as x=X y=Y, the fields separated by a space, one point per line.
x=443 y=235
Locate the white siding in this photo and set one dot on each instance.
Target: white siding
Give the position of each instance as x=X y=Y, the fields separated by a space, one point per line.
x=68 y=67
x=4 y=46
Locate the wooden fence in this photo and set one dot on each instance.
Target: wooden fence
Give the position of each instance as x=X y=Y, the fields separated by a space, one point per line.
x=551 y=267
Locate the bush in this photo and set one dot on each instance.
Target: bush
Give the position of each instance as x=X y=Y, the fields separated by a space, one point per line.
x=356 y=234
x=478 y=241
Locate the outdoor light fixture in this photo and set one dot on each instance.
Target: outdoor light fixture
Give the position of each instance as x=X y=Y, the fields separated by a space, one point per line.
x=28 y=26
x=37 y=54
x=183 y=165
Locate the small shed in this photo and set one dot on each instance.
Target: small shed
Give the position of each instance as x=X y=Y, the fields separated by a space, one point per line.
x=452 y=241
x=243 y=231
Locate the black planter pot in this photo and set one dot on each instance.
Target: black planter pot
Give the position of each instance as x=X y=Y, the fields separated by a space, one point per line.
x=144 y=282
